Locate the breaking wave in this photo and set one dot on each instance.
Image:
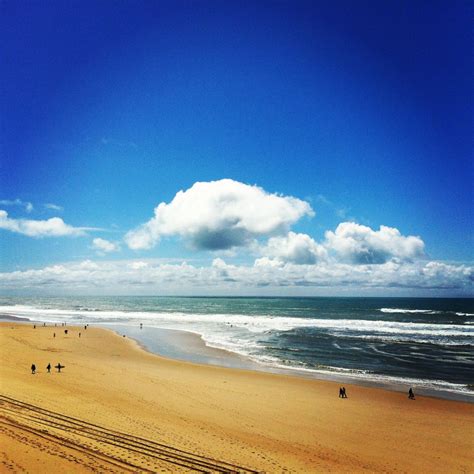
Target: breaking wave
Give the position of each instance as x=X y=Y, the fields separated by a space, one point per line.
x=401 y=311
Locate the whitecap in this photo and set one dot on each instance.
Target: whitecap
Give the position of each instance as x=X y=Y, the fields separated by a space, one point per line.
x=401 y=310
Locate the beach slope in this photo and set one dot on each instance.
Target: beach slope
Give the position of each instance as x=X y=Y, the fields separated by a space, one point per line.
x=117 y=408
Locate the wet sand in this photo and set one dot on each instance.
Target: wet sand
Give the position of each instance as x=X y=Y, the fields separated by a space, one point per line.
x=117 y=407
x=191 y=347
x=184 y=345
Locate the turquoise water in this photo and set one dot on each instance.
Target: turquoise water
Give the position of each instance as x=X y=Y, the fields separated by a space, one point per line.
x=425 y=341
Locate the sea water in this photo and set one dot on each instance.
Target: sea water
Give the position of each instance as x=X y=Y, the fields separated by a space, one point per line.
x=416 y=341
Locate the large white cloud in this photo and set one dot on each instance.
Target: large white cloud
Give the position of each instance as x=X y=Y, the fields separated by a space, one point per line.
x=294 y=248
x=355 y=243
x=266 y=276
x=54 y=227
x=220 y=215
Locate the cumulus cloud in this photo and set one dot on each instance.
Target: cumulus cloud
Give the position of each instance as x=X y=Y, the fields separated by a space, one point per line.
x=17 y=202
x=266 y=275
x=220 y=215
x=54 y=227
x=355 y=243
x=294 y=248
x=105 y=246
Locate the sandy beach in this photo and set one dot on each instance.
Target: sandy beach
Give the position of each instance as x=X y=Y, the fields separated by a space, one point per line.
x=117 y=408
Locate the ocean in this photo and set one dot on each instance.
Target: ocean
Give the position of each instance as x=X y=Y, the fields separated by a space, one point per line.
x=422 y=342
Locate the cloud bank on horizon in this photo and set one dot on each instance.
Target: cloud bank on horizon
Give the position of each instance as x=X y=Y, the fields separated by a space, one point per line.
x=228 y=215
x=265 y=276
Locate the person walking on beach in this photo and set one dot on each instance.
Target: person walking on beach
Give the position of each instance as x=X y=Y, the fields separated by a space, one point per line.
x=411 y=394
x=79 y=334
x=59 y=367
x=48 y=368
x=344 y=394
x=33 y=368
x=341 y=393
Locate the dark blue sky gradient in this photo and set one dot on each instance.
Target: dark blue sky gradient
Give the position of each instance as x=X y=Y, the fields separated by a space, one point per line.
x=109 y=107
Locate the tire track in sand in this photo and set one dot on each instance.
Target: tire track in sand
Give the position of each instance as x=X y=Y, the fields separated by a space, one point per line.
x=121 y=452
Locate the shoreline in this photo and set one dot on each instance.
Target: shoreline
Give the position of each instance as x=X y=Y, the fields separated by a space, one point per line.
x=225 y=358
x=254 y=420
x=169 y=343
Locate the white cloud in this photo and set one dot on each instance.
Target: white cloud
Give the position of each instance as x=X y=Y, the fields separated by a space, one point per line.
x=88 y=265
x=294 y=248
x=355 y=243
x=17 y=202
x=266 y=276
x=53 y=207
x=137 y=265
x=220 y=215
x=268 y=262
x=103 y=245
x=54 y=227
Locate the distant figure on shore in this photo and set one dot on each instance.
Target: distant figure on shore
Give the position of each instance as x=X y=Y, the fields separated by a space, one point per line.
x=85 y=327
x=344 y=394
x=59 y=367
x=79 y=334
x=33 y=368
x=141 y=325
x=341 y=393
x=411 y=394
x=44 y=325
x=54 y=334
x=48 y=368
x=65 y=331
x=34 y=326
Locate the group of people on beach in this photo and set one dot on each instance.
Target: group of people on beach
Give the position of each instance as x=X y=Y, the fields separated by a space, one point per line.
x=48 y=368
x=342 y=392
x=66 y=331
x=55 y=325
x=58 y=366
x=64 y=325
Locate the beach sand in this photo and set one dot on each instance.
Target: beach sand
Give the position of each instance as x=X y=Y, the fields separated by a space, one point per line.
x=117 y=408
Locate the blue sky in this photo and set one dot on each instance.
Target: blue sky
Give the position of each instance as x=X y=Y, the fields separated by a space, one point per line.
x=363 y=110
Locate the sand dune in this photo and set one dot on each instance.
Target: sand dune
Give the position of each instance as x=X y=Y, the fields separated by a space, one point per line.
x=117 y=408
